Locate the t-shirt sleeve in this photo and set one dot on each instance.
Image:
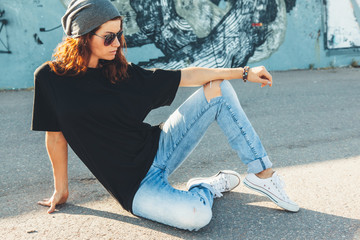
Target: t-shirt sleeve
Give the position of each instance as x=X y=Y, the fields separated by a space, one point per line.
x=166 y=84
x=43 y=117
x=162 y=84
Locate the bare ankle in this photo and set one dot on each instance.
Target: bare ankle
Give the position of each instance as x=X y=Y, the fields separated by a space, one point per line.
x=265 y=174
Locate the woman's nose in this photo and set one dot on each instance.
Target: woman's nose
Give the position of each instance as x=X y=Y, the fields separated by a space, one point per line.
x=116 y=42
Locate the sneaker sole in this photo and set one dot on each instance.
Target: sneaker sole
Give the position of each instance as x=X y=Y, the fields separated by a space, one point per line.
x=277 y=201
x=189 y=184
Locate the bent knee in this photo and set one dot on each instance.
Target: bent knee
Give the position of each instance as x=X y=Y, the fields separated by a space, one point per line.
x=212 y=89
x=199 y=218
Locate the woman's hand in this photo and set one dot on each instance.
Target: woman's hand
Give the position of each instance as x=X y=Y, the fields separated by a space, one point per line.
x=260 y=75
x=57 y=198
x=56 y=146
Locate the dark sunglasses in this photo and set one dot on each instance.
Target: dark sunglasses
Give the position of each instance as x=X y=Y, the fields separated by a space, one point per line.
x=109 y=38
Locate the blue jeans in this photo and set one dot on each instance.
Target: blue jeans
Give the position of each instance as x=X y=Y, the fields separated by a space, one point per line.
x=156 y=199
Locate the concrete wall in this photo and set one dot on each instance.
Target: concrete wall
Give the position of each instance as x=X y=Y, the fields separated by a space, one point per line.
x=28 y=46
x=279 y=34
x=306 y=41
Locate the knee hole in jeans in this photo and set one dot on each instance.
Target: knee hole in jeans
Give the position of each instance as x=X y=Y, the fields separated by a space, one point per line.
x=212 y=89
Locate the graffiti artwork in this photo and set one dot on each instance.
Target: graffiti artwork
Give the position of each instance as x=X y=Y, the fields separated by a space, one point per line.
x=4 y=43
x=343 y=24
x=209 y=33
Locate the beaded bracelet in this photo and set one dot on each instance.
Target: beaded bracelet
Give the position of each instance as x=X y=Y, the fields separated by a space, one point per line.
x=245 y=74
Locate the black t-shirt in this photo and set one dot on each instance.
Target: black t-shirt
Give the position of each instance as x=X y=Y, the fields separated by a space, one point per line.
x=103 y=122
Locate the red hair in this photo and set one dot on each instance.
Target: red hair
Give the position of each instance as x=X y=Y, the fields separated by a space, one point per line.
x=72 y=57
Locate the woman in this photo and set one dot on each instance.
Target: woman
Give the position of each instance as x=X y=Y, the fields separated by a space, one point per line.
x=91 y=98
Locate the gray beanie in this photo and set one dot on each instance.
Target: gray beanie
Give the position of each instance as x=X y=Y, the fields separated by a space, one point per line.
x=83 y=16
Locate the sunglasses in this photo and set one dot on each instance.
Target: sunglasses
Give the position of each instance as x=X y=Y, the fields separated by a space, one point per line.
x=109 y=38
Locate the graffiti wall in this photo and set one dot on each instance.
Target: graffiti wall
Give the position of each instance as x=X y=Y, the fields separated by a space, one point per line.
x=343 y=21
x=209 y=33
x=4 y=42
x=280 y=34
x=24 y=42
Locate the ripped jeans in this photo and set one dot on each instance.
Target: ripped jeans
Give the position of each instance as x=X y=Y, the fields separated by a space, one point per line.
x=156 y=199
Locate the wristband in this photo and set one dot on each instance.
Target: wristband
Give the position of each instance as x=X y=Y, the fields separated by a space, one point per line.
x=245 y=74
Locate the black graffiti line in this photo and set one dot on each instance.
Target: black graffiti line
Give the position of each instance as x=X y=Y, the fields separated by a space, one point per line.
x=49 y=30
x=213 y=50
x=3 y=23
x=7 y=48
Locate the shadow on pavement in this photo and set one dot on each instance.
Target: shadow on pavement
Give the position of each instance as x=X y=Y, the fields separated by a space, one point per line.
x=246 y=221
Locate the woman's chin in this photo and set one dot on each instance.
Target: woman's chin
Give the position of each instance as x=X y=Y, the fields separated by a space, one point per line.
x=109 y=58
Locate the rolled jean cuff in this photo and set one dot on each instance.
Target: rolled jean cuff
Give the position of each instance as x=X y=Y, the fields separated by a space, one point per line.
x=202 y=186
x=259 y=165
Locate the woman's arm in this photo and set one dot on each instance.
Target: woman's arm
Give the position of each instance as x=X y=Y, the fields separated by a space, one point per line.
x=197 y=76
x=57 y=149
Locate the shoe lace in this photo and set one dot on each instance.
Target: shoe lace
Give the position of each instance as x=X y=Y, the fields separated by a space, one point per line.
x=278 y=181
x=220 y=185
x=280 y=185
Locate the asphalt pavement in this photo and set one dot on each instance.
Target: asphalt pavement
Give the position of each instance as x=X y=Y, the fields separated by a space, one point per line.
x=309 y=123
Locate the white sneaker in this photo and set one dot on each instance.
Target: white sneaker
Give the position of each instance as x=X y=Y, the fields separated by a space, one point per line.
x=273 y=188
x=223 y=181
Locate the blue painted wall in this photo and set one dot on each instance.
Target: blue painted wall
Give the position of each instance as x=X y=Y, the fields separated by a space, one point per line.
x=28 y=46
x=304 y=42
x=302 y=45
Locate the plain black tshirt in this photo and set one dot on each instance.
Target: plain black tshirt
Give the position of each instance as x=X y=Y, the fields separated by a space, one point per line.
x=103 y=122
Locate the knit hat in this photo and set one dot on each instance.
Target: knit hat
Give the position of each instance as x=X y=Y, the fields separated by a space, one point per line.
x=83 y=16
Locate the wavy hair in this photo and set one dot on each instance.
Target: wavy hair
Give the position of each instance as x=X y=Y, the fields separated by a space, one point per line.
x=72 y=56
